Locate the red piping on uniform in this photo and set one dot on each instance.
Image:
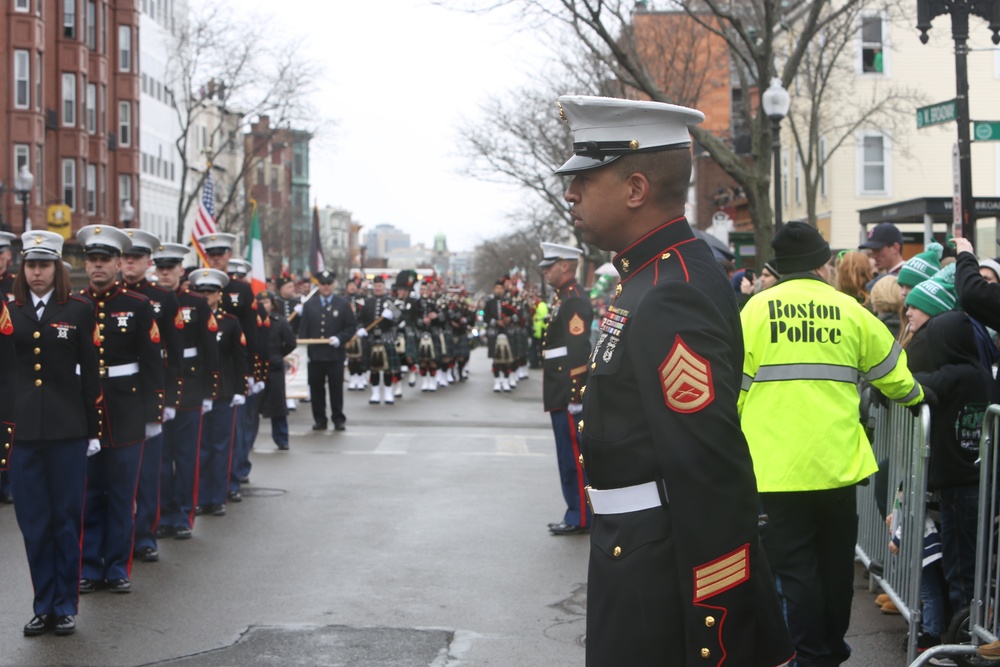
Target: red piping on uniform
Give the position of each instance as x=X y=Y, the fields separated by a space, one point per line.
x=197 y=472
x=723 y=611
x=131 y=546
x=581 y=494
x=650 y=233
x=232 y=445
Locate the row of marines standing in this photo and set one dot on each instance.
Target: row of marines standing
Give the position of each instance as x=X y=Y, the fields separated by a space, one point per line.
x=150 y=384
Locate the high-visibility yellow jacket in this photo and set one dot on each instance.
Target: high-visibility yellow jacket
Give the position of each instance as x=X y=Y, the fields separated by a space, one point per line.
x=538 y=322
x=807 y=345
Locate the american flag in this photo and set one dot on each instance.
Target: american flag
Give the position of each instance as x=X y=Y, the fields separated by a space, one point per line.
x=204 y=221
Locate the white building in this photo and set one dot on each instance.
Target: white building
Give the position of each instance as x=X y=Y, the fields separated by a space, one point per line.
x=159 y=181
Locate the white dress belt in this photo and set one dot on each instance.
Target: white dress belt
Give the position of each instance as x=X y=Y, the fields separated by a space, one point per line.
x=118 y=371
x=555 y=352
x=624 y=500
x=190 y=352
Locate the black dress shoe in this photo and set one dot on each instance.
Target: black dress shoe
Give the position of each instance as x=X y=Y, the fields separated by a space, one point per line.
x=119 y=585
x=39 y=625
x=218 y=510
x=87 y=586
x=234 y=497
x=567 y=529
x=147 y=554
x=182 y=533
x=319 y=427
x=339 y=427
x=283 y=448
x=245 y=480
x=166 y=531
x=65 y=625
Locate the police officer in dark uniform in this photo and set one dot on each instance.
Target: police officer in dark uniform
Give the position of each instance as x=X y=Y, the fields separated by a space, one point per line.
x=220 y=423
x=677 y=575
x=200 y=386
x=329 y=316
x=132 y=380
x=136 y=261
x=58 y=425
x=565 y=348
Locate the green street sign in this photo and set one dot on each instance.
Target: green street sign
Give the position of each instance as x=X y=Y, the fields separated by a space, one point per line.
x=986 y=130
x=942 y=112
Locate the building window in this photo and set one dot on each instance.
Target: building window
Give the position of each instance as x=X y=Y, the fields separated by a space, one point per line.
x=874 y=163
x=69 y=19
x=22 y=79
x=104 y=29
x=104 y=189
x=103 y=109
x=822 y=167
x=873 y=52
x=69 y=99
x=125 y=123
x=22 y=5
x=124 y=48
x=92 y=108
x=38 y=81
x=92 y=189
x=124 y=187
x=22 y=157
x=92 y=25
x=69 y=183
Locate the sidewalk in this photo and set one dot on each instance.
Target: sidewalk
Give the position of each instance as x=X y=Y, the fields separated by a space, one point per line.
x=876 y=639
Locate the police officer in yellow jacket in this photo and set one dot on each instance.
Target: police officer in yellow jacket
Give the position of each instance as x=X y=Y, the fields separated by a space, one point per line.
x=677 y=576
x=807 y=345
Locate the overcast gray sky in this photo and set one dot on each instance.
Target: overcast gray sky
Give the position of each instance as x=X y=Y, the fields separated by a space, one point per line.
x=400 y=75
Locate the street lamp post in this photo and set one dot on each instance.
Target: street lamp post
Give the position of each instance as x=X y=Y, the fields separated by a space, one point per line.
x=127 y=214
x=960 y=11
x=23 y=183
x=776 y=102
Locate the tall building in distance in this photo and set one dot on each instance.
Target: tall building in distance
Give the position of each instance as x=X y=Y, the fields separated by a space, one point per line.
x=70 y=72
x=382 y=239
x=159 y=181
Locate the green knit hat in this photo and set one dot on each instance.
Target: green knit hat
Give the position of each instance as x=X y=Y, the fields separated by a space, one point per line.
x=937 y=295
x=921 y=267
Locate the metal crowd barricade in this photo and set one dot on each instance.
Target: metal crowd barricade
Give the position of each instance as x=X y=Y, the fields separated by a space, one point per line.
x=903 y=440
x=982 y=626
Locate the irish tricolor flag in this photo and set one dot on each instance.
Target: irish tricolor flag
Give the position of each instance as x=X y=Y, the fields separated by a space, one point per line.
x=255 y=255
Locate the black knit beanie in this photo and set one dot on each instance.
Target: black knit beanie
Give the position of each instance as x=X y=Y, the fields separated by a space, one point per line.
x=799 y=247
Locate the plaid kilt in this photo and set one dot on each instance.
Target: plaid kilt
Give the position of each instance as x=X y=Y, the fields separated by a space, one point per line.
x=392 y=357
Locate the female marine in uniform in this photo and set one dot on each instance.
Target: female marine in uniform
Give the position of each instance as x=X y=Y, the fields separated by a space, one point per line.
x=57 y=389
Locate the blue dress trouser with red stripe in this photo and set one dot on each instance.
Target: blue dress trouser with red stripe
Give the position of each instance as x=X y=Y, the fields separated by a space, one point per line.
x=179 y=469
x=147 y=498
x=571 y=472
x=48 y=479
x=218 y=433
x=108 y=517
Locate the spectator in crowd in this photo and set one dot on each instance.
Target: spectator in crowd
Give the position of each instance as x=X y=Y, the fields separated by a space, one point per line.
x=887 y=303
x=919 y=268
x=885 y=246
x=768 y=276
x=853 y=276
x=989 y=269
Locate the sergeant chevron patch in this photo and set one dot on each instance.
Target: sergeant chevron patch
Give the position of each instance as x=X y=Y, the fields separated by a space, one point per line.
x=6 y=326
x=686 y=379
x=722 y=574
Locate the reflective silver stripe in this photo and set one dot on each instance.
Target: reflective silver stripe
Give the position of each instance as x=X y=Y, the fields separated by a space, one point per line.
x=912 y=395
x=190 y=352
x=747 y=381
x=555 y=352
x=622 y=501
x=830 y=372
x=880 y=370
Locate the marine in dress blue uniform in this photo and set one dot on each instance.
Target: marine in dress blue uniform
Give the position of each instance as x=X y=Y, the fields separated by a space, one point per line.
x=677 y=575
x=327 y=316
x=565 y=348
x=200 y=386
x=219 y=429
x=132 y=382
x=58 y=420
x=6 y=294
x=136 y=261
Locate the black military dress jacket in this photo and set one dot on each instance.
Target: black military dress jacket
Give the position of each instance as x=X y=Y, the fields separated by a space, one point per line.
x=7 y=362
x=238 y=299
x=200 y=351
x=128 y=337
x=7 y=286
x=566 y=348
x=337 y=319
x=685 y=583
x=281 y=343
x=171 y=325
x=56 y=381
x=232 y=346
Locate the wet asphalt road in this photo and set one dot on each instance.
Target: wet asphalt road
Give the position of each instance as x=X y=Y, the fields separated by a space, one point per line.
x=415 y=538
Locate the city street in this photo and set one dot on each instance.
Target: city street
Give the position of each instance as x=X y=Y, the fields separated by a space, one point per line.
x=417 y=537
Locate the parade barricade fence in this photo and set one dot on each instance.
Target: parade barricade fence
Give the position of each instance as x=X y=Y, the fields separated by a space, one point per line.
x=901 y=446
x=980 y=628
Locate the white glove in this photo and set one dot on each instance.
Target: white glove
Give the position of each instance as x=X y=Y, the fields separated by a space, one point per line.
x=169 y=413
x=362 y=332
x=153 y=429
x=256 y=388
x=334 y=341
x=238 y=399
x=298 y=309
x=206 y=406
x=402 y=325
x=93 y=446
x=387 y=314
x=575 y=408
